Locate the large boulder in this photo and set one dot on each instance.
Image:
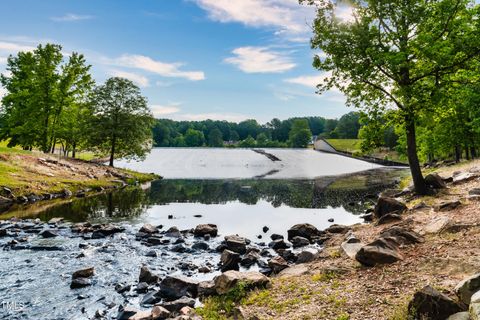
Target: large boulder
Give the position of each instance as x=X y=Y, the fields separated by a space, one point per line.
x=429 y=303
x=304 y=230
x=250 y=259
x=298 y=242
x=203 y=229
x=228 y=280
x=84 y=273
x=236 y=244
x=229 y=260
x=148 y=228
x=47 y=233
x=435 y=181
x=380 y=251
x=402 y=235
x=176 y=305
x=467 y=287
x=175 y=287
x=206 y=288
x=277 y=264
x=147 y=276
x=388 y=205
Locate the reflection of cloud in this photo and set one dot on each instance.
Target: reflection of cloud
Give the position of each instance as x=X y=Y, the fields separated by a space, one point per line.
x=162 y=110
x=161 y=68
x=260 y=60
x=71 y=17
x=137 y=78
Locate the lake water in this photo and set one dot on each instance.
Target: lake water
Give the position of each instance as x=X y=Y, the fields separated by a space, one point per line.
x=240 y=190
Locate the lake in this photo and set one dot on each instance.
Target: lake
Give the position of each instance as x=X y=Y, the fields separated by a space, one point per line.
x=240 y=190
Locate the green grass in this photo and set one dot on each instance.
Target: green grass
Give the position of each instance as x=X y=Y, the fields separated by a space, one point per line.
x=349 y=145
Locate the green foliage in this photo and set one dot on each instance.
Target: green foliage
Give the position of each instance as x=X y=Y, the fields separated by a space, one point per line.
x=249 y=142
x=194 y=138
x=120 y=122
x=300 y=134
x=222 y=307
x=215 y=138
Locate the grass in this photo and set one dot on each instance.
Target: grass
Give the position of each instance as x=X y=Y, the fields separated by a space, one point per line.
x=349 y=145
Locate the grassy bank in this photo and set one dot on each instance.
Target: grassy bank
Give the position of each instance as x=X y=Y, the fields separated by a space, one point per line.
x=354 y=146
x=26 y=172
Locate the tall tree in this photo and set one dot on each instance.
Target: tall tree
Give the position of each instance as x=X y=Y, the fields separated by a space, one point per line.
x=121 y=123
x=395 y=54
x=300 y=134
x=215 y=138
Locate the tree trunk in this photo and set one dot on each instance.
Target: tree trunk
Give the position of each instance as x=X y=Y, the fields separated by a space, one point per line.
x=418 y=180
x=473 y=152
x=458 y=154
x=112 y=150
x=74 y=151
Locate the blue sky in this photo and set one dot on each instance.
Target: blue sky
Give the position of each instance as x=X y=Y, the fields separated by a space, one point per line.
x=193 y=59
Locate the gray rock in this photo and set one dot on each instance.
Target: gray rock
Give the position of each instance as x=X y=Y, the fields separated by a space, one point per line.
x=351 y=249
x=429 y=303
x=175 y=287
x=460 y=316
x=228 y=280
x=474 y=192
x=203 y=229
x=298 y=242
x=277 y=264
x=306 y=256
x=304 y=230
x=148 y=228
x=229 y=260
x=250 y=259
x=236 y=244
x=48 y=234
x=467 y=287
x=435 y=181
x=337 y=228
x=389 y=218
x=176 y=305
x=80 y=283
x=150 y=298
x=388 y=205
x=402 y=235
x=142 y=287
x=448 y=205
x=200 y=246
x=276 y=236
x=3 y=232
x=380 y=251
x=173 y=232
x=147 y=276
x=206 y=288
x=278 y=244
x=159 y=312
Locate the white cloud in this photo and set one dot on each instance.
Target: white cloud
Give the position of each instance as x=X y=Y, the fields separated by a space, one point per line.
x=308 y=81
x=285 y=16
x=69 y=17
x=148 y=64
x=14 y=47
x=3 y=60
x=162 y=110
x=140 y=80
x=260 y=60
x=3 y=92
x=233 y=117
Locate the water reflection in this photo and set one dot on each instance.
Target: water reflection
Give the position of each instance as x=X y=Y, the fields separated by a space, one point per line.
x=350 y=193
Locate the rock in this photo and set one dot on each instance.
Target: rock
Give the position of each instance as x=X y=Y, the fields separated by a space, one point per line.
x=458 y=227
x=388 y=205
x=448 y=205
x=80 y=283
x=331 y=220
x=279 y=244
x=151 y=253
x=159 y=312
x=337 y=228
x=203 y=229
x=150 y=298
x=200 y=246
x=204 y=270
x=173 y=232
x=464 y=177
x=84 y=273
x=277 y=264
x=304 y=230
x=236 y=244
x=351 y=249
x=3 y=232
x=435 y=181
x=55 y=220
x=437 y=224
x=175 y=287
x=250 y=259
x=229 y=260
x=148 y=228
x=178 y=248
x=474 y=192
x=459 y=316
x=176 y=305
x=147 y=276
x=402 y=235
x=380 y=251
x=121 y=288
x=429 y=303
x=265 y=229
x=206 y=288
x=298 y=242
x=126 y=313
x=389 y=218
x=367 y=216
x=306 y=256
x=228 y=280
x=275 y=236
x=142 y=287
x=294 y=271
x=48 y=234
x=467 y=287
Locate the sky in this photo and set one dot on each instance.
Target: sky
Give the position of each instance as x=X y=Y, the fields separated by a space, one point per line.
x=193 y=59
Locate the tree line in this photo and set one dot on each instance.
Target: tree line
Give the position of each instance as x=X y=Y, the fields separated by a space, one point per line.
x=53 y=104
x=292 y=132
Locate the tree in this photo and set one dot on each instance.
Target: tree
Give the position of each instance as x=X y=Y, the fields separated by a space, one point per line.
x=300 y=134
x=215 y=138
x=262 y=139
x=121 y=123
x=194 y=138
x=249 y=142
x=348 y=126
x=395 y=54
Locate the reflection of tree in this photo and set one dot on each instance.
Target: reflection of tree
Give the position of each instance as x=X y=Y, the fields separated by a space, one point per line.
x=344 y=191
x=113 y=205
